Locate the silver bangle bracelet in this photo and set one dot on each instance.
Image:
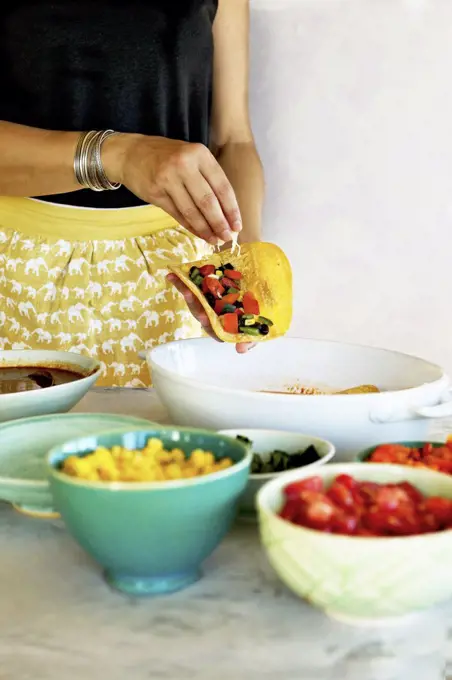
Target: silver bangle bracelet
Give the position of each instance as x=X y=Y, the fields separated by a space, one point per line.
x=88 y=168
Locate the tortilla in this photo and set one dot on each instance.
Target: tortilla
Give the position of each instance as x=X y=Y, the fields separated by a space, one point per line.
x=266 y=272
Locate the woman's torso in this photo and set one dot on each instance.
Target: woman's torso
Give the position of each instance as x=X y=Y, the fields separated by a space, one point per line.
x=131 y=65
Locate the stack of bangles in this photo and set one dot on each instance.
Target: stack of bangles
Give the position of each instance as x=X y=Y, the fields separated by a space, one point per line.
x=88 y=167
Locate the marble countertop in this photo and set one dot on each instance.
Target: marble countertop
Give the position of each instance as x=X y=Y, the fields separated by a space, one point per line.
x=59 y=619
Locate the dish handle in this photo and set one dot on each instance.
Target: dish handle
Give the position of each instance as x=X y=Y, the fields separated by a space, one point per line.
x=441 y=410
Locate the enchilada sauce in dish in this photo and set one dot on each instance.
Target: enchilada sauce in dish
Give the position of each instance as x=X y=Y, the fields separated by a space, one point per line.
x=26 y=378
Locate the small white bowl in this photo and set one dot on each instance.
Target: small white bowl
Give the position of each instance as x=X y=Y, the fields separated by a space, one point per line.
x=264 y=442
x=56 y=399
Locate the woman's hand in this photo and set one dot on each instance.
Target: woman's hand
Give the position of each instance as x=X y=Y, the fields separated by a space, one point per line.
x=183 y=179
x=199 y=313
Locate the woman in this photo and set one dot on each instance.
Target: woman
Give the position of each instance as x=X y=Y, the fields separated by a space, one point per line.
x=165 y=83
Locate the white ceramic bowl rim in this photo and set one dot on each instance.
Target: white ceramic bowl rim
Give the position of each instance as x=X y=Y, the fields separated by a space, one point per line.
x=151 y=486
x=263 y=495
x=331 y=449
x=153 y=354
x=94 y=372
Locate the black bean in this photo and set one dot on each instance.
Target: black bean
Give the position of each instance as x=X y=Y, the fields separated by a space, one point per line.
x=238 y=304
x=192 y=269
x=264 y=329
x=210 y=299
x=228 y=266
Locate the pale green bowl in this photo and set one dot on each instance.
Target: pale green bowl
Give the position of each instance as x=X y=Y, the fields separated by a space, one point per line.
x=355 y=579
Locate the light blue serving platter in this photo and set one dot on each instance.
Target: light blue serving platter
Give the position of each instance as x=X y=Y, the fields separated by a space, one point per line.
x=24 y=445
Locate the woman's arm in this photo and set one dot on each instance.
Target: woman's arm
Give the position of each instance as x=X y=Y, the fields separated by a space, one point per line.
x=232 y=137
x=182 y=178
x=36 y=162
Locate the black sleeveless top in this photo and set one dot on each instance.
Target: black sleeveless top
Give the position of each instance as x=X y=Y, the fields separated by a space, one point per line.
x=129 y=65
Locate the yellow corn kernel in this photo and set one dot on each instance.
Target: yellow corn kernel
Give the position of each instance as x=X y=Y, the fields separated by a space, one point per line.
x=197 y=458
x=82 y=467
x=178 y=456
x=224 y=463
x=209 y=458
x=189 y=472
x=163 y=456
x=108 y=473
x=208 y=470
x=153 y=446
x=173 y=471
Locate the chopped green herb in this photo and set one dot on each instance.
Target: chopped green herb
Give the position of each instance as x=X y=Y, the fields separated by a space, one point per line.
x=280 y=461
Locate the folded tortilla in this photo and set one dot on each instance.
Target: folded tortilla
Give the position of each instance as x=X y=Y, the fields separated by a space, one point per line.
x=266 y=272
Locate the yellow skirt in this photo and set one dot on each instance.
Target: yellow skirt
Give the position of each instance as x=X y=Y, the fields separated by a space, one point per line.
x=93 y=282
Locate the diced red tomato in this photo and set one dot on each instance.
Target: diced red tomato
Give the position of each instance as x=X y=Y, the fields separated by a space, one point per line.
x=294 y=489
x=391 y=497
x=234 y=275
x=440 y=508
x=342 y=523
x=413 y=493
x=442 y=465
x=367 y=492
x=436 y=457
x=250 y=304
x=290 y=510
x=207 y=269
x=218 y=307
x=319 y=514
x=230 y=322
x=341 y=495
x=347 y=480
x=239 y=312
x=230 y=298
x=228 y=283
x=378 y=510
x=213 y=286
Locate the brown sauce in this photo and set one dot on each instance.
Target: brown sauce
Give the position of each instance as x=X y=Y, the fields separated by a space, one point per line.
x=27 y=378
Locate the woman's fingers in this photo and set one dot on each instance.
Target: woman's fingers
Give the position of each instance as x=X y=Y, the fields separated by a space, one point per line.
x=209 y=207
x=193 y=304
x=224 y=193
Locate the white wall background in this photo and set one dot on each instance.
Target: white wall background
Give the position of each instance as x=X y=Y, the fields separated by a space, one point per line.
x=352 y=109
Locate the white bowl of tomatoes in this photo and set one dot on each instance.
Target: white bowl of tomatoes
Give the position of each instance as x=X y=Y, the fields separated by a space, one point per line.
x=365 y=543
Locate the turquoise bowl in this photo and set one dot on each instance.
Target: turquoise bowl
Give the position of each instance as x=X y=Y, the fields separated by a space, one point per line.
x=151 y=537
